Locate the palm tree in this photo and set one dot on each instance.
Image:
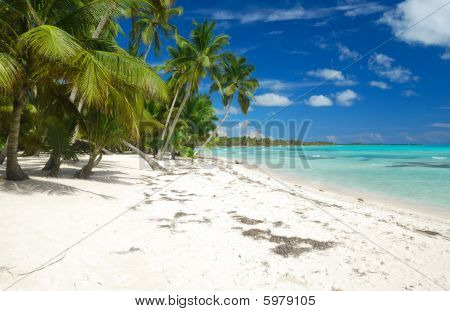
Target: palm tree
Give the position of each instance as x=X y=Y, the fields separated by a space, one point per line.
x=199 y=57
x=156 y=21
x=33 y=50
x=235 y=79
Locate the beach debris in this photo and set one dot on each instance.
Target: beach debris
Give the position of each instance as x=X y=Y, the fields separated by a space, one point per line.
x=181 y=214
x=431 y=233
x=278 y=224
x=257 y=234
x=288 y=246
x=131 y=250
x=286 y=250
x=247 y=221
x=237 y=162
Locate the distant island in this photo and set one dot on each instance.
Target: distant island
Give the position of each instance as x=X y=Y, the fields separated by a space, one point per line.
x=249 y=141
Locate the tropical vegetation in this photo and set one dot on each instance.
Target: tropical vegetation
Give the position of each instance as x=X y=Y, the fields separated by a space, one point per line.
x=67 y=88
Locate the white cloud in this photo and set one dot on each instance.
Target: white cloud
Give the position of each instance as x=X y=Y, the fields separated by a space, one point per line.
x=277 y=85
x=441 y=125
x=222 y=111
x=221 y=132
x=434 y=30
x=380 y=84
x=379 y=59
x=296 y=12
x=409 y=93
x=252 y=133
x=345 y=53
x=272 y=99
x=319 y=101
x=346 y=98
x=382 y=65
x=446 y=55
x=243 y=125
x=331 y=138
x=327 y=74
x=368 y=9
x=332 y=75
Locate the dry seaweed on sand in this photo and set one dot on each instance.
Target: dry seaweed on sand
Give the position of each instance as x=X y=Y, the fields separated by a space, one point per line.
x=181 y=214
x=286 y=250
x=247 y=221
x=257 y=234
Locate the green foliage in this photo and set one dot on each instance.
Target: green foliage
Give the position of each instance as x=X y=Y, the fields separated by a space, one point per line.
x=256 y=141
x=61 y=62
x=59 y=138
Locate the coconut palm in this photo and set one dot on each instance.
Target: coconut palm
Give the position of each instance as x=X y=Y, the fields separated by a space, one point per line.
x=199 y=57
x=235 y=78
x=35 y=53
x=155 y=22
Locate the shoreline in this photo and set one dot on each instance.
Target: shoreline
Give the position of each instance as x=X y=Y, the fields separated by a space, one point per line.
x=377 y=199
x=207 y=225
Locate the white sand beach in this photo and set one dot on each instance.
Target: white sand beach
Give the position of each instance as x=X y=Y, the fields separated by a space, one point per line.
x=208 y=225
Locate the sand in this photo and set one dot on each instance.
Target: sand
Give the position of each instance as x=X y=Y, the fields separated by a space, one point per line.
x=208 y=225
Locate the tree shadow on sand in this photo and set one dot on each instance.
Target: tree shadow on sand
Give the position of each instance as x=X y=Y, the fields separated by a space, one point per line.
x=32 y=186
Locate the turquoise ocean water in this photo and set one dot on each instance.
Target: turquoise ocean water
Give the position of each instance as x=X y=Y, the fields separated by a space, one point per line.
x=413 y=174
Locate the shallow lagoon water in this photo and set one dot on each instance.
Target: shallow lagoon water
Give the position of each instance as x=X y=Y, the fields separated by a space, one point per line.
x=411 y=173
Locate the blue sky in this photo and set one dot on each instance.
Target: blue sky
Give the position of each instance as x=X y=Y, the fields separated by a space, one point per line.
x=310 y=58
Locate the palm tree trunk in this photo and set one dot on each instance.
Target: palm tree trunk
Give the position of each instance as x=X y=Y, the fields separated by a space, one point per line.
x=73 y=94
x=215 y=130
x=175 y=121
x=49 y=165
x=13 y=170
x=168 y=119
x=86 y=171
x=3 y=153
x=55 y=169
x=153 y=164
x=147 y=50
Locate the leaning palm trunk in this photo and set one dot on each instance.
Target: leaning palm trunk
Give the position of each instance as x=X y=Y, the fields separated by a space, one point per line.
x=3 y=153
x=175 y=121
x=153 y=164
x=214 y=133
x=168 y=120
x=13 y=170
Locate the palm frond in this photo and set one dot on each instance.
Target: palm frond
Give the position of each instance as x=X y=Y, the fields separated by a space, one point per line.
x=10 y=71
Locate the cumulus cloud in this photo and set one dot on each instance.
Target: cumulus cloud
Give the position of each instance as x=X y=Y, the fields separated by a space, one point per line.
x=221 y=132
x=434 y=30
x=319 y=101
x=336 y=76
x=380 y=84
x=346 y=98
x=383 y=66
x=271 y=100
x=345 y=53
x=328 y=74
